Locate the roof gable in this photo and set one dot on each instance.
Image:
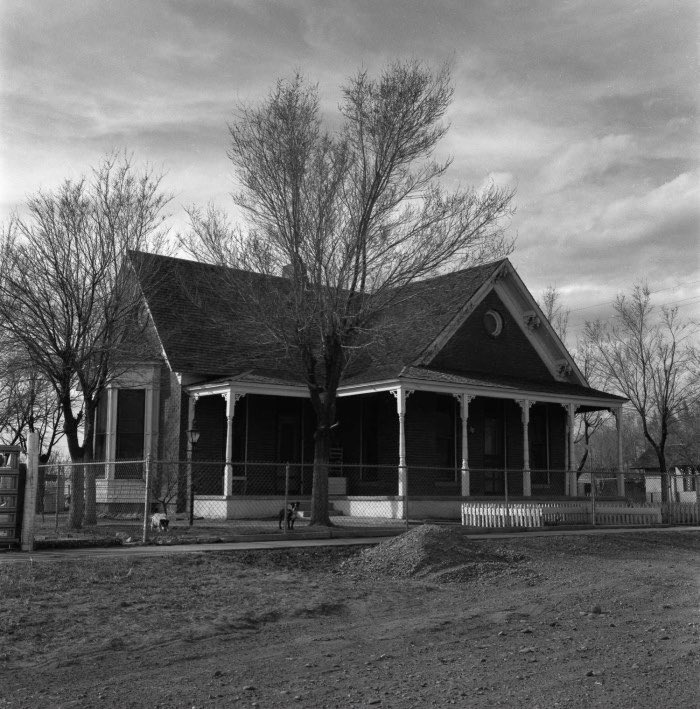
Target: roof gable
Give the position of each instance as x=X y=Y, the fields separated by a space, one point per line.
x=472 y=349
x=528 y=343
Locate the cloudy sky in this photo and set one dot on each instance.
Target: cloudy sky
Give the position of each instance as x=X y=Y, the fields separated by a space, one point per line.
x=589 y=107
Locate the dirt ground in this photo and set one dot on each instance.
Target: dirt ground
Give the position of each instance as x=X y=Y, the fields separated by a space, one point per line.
x=428 y=619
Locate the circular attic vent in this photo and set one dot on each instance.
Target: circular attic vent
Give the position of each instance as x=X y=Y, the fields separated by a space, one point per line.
x=493 y=323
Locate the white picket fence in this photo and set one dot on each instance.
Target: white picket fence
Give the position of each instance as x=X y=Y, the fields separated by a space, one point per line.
x=681 y=512
x=545 y=514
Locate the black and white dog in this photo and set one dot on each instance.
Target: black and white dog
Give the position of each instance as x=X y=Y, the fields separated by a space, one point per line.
x=159 y=522
x=290 y=513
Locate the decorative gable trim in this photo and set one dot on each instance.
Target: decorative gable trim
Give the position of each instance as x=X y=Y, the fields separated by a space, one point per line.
x=535 y=326
x=461 y=317
x=518 y=300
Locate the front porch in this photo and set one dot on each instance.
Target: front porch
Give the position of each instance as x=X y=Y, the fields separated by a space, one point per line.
x=432 y=442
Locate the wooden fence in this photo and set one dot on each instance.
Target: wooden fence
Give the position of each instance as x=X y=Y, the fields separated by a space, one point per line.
x=581 y=512
x=681 y=512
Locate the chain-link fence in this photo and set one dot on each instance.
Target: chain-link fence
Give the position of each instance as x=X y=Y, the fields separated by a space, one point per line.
x=196 y=501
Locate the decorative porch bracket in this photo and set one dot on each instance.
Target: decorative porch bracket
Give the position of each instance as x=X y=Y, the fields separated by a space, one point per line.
x=401 y=395
x=231 y=397
x=464 y=400
x=525 y=405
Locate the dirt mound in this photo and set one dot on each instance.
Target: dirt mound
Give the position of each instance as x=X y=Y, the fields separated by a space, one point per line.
x=432 y=552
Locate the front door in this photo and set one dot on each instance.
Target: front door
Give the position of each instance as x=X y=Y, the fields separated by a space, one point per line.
x=494 y=457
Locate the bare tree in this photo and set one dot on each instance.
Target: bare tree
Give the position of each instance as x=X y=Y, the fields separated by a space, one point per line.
x=555 y=312
x=589 y=422
x=651 y=358
x=27 y=404
x=66 y=300
x=352 y=219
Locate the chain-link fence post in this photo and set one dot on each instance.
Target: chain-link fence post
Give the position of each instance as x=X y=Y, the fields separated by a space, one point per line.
x=592 y=498
x=286 y=499
x=146 y=498
x=505 y=489
x=405 y=500
x=59 y=479
x=191 y=502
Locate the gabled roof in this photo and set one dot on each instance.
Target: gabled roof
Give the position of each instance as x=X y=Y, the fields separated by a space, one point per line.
x=204 y=333
x=201 y=330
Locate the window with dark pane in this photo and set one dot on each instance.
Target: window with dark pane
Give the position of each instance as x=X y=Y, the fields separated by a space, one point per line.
x=101 y=433
x=131 y=405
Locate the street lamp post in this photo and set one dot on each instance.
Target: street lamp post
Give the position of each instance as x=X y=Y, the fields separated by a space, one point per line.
x=192 y=438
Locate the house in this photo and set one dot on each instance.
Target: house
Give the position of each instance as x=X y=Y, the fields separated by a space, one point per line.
x=478 y=400
x=681 y=479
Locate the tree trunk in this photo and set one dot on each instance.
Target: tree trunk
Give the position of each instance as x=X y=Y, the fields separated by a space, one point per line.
x=583 y=460
x=89 y=468
x=90 y=493
x=77 y=486
x=661 y=454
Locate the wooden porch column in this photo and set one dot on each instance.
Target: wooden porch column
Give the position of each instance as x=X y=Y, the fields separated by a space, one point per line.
x=617 y=413
x=231 y=398
x=570 y=467
x=525 y=405
x=401 y=395
x=464 y=400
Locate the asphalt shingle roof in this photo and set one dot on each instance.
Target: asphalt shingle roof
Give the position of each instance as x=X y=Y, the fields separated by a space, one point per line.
x=204 y=332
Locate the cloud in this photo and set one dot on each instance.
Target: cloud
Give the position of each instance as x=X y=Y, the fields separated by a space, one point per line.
x=651 y=234
x=590 y=108
x=668 y=215
x=588 y=159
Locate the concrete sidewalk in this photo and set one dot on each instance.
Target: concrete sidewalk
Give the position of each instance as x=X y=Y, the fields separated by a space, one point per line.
x=146 y=551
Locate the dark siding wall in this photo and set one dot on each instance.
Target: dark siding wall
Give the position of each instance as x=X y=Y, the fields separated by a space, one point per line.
x=210 y=412
x=472 y=349
x=169 y=416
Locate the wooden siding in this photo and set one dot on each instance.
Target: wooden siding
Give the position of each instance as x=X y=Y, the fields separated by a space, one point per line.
x=509 y=354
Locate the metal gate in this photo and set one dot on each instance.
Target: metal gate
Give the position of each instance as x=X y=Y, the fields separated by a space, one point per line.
x=12 y=481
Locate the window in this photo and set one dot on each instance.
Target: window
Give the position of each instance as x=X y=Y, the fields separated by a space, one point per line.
x=131 y=407
x=101 y=428
x=688 y=483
